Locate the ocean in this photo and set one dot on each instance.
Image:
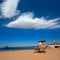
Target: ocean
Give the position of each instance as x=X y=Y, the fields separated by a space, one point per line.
x=15 y=48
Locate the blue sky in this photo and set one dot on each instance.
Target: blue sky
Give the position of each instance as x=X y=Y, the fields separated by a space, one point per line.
x=25 y=22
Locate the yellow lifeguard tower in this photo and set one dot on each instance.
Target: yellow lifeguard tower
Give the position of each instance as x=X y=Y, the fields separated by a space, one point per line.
x=41 y=46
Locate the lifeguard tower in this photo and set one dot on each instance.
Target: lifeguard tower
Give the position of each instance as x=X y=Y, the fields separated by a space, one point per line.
x=41 y=46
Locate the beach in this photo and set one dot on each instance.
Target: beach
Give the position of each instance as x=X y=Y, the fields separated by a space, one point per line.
x=51 y=54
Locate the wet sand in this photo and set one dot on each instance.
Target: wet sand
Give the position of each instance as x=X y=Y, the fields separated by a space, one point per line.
x=51 y=54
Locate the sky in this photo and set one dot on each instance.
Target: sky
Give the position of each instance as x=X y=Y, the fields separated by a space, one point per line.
x=25 y=22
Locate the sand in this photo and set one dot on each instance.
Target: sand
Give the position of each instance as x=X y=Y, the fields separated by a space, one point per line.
x=51 y=54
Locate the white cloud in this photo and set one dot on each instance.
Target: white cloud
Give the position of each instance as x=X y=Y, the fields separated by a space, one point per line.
x=27 y=21
x=9 y=8
x=1 y=16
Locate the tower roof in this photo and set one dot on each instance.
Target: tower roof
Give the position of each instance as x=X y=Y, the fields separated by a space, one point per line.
x=41 y=41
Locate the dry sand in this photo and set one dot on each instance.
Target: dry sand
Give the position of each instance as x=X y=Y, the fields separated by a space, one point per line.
x=51 y=54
